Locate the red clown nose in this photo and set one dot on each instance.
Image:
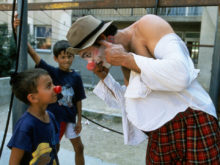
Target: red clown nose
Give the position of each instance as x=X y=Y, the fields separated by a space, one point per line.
x=57 y=89
x=91 y=65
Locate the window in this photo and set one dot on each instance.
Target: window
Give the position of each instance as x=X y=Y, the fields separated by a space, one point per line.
x=180 y=34
x=43 y=37
x=192 y=42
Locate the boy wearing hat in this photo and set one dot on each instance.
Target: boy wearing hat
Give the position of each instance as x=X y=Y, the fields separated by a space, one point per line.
x=162 y=97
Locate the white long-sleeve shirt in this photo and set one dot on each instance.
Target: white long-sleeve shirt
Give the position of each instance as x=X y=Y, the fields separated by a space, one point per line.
x=166 y=86
x=105 y=90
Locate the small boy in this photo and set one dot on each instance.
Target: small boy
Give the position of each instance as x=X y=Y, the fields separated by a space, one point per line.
x=33 y=140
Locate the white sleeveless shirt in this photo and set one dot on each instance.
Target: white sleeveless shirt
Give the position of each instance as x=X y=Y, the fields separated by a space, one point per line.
x=166 y=86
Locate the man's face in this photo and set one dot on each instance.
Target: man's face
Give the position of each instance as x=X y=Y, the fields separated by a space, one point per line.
x=94 y=55
x=89 y=53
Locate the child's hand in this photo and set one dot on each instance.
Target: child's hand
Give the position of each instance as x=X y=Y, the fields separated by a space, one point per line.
x=78 y=127
x=16 y=22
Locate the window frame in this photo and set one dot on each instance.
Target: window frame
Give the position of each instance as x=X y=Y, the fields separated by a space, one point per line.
x=36 y=38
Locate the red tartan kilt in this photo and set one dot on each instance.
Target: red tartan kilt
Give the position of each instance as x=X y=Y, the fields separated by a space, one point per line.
x=192 y=137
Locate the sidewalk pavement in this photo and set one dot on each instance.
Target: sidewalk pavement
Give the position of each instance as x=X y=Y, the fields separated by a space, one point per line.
x=92 y=107
x=101 y=147
x=65 y=156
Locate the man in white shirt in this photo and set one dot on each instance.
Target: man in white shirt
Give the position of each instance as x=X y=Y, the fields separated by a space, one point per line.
x=162 y=97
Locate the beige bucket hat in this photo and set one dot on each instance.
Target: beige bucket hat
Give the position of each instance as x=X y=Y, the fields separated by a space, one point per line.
x=84 y=32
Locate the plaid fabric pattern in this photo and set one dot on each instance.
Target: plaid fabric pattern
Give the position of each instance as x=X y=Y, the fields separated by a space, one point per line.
x=192 y=137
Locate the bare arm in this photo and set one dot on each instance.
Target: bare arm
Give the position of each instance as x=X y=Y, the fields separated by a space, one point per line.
x=78 y=127
x=117 y=55
x=16 y=156
x=33 y=54
x=79 y=110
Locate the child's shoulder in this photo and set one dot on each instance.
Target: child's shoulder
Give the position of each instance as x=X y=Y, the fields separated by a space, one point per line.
x=75 y=73
x=25 y=123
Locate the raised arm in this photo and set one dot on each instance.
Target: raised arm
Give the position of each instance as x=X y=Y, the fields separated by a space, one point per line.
x=33 y=54
x=31 y=51
x=174 y=71
x=171 y=69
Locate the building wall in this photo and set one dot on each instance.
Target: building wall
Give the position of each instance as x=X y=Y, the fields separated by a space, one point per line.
x=207 y=37
x=5 y=92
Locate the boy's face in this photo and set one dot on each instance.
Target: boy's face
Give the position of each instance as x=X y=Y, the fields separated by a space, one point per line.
x=64 y=60
x=45 y=90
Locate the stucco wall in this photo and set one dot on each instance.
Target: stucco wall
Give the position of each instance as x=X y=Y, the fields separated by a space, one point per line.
x=5 y=90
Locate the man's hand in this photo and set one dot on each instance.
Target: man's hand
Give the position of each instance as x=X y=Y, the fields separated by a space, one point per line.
x=100 y=70
x=78 y=127
x=114 y=53
x=16 y=22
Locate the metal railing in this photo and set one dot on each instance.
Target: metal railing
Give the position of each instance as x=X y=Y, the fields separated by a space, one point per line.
x=179 y=11
x=130 y=13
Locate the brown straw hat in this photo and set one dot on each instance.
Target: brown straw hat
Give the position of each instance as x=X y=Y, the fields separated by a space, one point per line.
x=84 y=32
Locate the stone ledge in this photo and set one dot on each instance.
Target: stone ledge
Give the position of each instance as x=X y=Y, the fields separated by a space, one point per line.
x=101 y=115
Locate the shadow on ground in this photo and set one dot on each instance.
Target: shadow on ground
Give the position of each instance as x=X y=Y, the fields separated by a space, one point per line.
x=102 y=147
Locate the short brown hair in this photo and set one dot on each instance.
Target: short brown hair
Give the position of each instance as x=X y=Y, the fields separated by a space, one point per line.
x=24 y=83
x=60 y=46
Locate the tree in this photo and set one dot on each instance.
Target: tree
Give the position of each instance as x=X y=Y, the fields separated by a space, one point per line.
x=7 y=51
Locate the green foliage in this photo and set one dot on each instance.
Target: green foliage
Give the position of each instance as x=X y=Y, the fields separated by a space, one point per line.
x=7 y=51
